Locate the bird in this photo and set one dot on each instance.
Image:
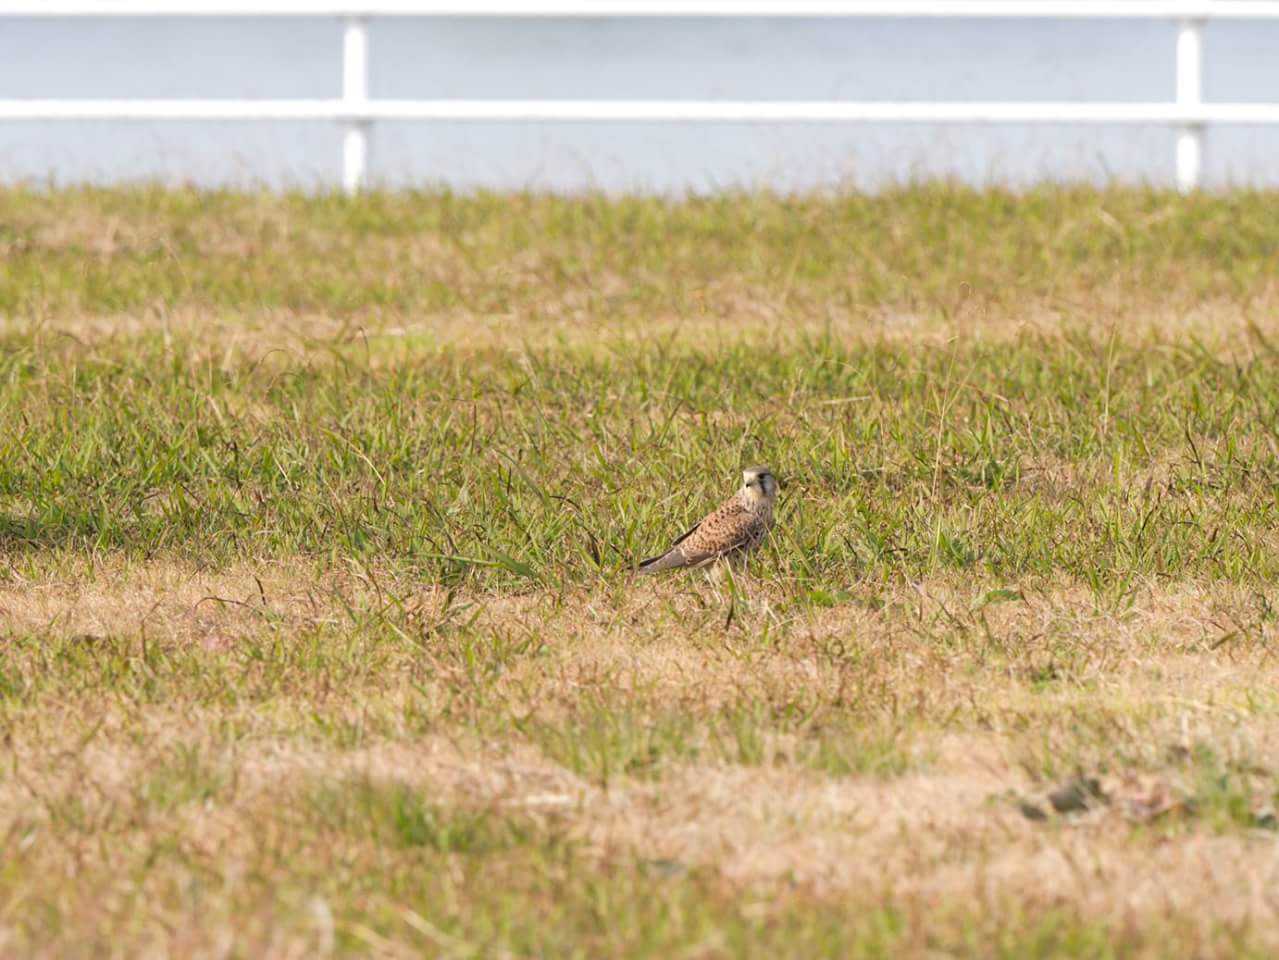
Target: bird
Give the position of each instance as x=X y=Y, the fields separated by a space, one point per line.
x=731 y=531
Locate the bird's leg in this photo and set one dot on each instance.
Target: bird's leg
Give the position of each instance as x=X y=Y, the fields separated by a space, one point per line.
x=739 y=568
x=714 y=572
x=720 y=578
x=730 y=573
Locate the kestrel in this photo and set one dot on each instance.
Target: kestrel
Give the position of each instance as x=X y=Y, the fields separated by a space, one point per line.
x=733 y=530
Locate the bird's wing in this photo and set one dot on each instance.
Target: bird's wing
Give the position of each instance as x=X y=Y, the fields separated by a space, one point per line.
x=687 y=533
x=728 y=528
x=725 y=529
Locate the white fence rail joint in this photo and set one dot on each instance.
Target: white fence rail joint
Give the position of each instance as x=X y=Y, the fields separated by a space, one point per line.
x=1188 y=113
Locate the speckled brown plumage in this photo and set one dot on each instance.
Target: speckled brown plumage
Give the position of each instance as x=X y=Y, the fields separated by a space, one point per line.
x=733 y=529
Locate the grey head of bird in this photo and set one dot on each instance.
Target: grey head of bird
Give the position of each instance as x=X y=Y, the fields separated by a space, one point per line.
x=759 y=486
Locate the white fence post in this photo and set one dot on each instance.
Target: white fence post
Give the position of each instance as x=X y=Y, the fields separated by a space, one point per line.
x=355 y=93
x=1189 y=95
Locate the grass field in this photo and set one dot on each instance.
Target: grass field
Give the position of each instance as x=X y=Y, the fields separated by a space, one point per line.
x=317 y=637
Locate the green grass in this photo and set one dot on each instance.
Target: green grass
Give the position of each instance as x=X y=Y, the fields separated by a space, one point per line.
x=317 y=631
x=546 y=470
x=609 y=740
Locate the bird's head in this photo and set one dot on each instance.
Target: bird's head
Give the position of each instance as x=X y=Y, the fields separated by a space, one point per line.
x=758 y=485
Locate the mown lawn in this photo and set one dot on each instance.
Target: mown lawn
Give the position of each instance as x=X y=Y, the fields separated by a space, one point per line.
x=317 y=635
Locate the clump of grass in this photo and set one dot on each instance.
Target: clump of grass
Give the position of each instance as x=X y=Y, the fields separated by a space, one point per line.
x=609 y=740
x=1230 y=794
x=399 y=816
x=185 y=776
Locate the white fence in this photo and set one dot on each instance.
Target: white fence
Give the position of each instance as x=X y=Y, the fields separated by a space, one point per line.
x=1188 y=112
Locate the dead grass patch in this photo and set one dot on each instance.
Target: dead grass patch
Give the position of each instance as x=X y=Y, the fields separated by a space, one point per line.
x=1221 y=329
x=1003 y=703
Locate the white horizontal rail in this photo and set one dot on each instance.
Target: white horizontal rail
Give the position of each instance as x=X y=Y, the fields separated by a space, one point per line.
x=730 y=111
x=1188 y=113
x=1017 y=9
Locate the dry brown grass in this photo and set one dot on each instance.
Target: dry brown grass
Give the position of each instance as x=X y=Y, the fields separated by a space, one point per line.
x=1127 y=695
x=1223 y=328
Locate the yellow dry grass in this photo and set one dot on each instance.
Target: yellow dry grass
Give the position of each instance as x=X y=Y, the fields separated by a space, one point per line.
x=1129 y=694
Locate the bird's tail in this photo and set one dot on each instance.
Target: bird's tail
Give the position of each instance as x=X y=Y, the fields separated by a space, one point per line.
x=667 y=561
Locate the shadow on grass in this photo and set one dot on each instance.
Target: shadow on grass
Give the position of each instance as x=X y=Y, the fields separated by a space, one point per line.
x=28 y=534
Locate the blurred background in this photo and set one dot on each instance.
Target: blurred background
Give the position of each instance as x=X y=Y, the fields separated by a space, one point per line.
x=637 y=58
